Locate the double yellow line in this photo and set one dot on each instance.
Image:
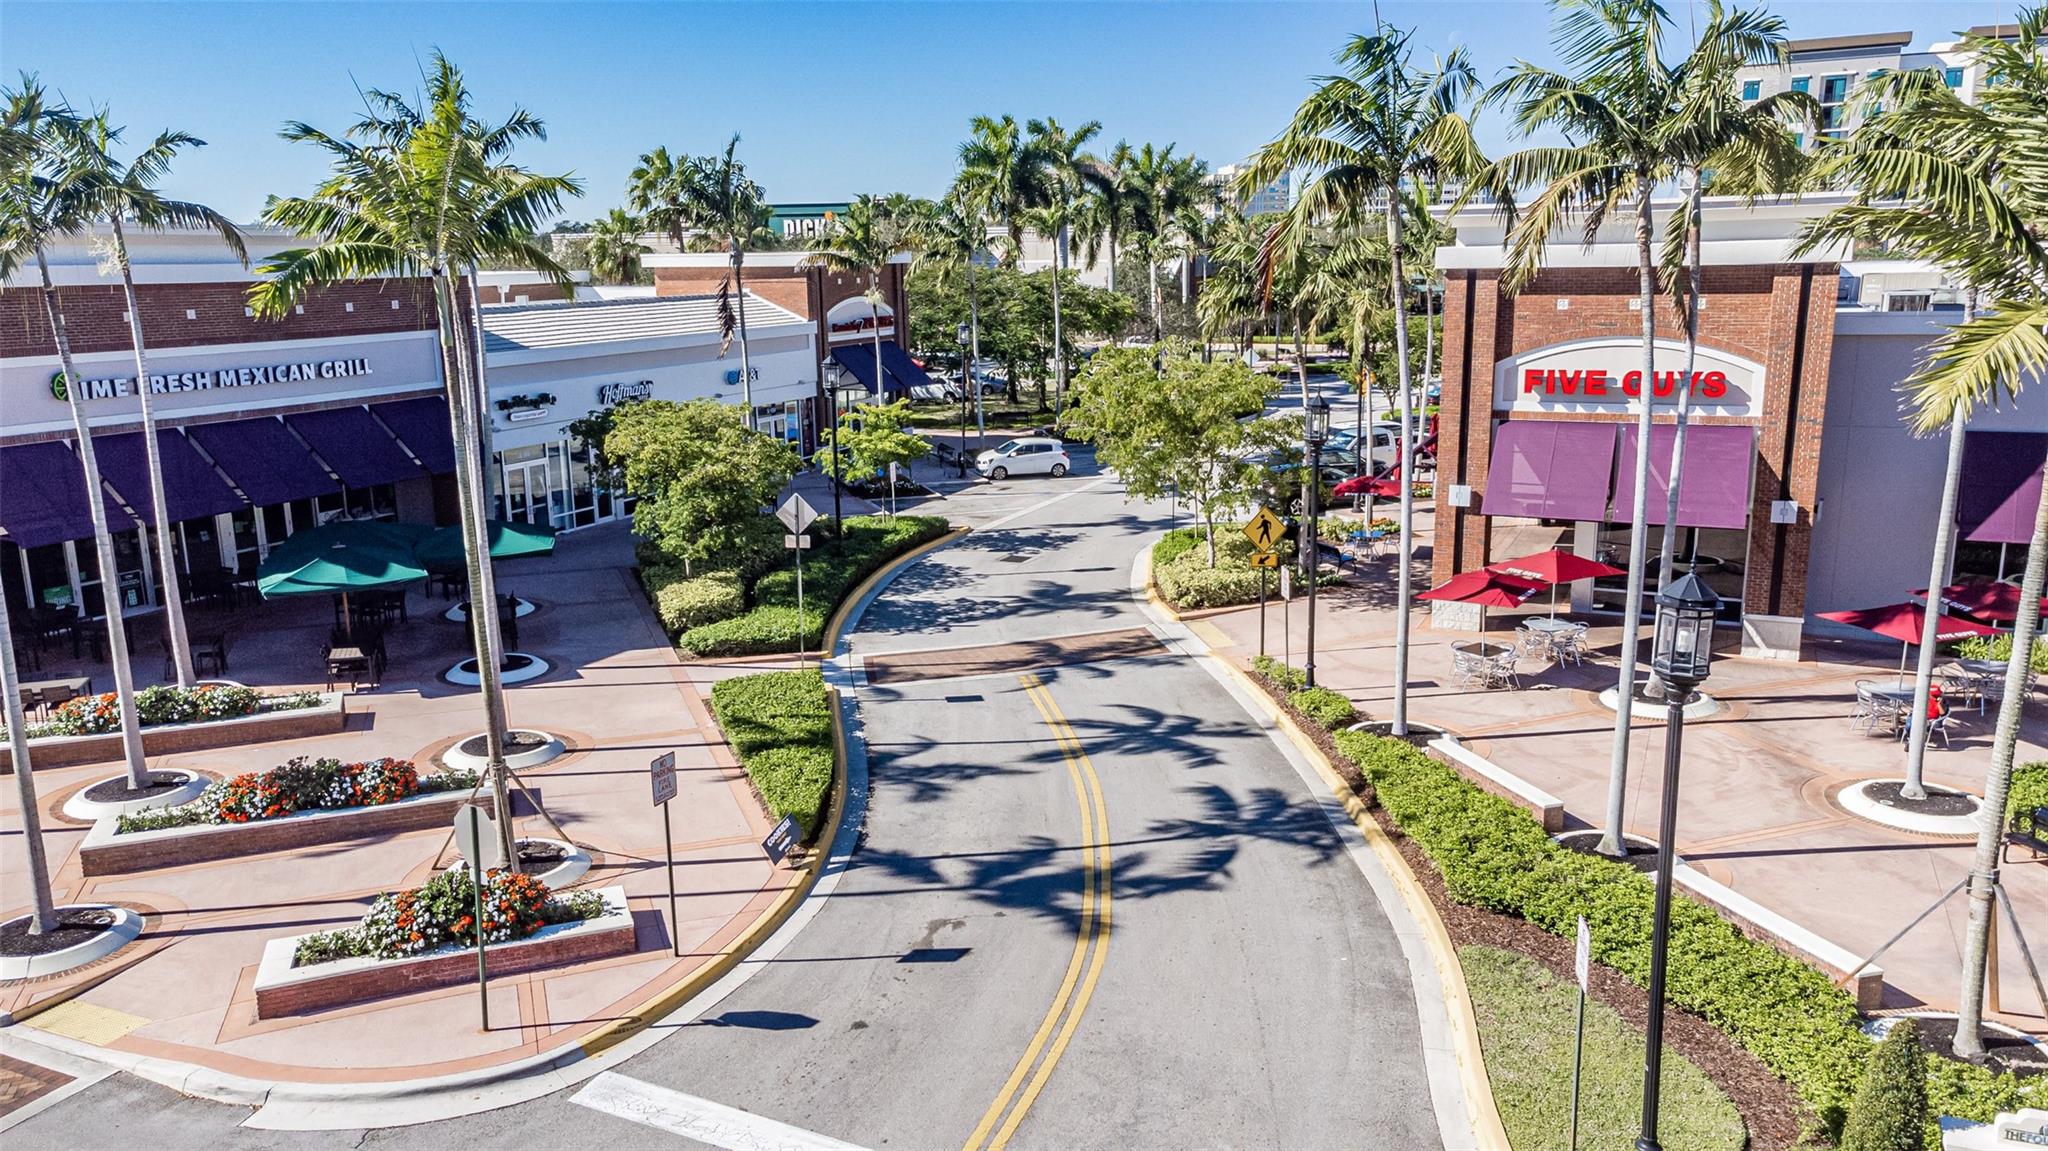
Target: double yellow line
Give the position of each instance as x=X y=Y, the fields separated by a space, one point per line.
x=1091 y=942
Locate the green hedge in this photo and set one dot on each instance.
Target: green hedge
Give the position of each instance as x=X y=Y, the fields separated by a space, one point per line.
x=1789 y=1015
x=779 y=723
x=1329 y=708
x=2029 y=788
x=684 y=603
x=830 y=573
x=1180 y=568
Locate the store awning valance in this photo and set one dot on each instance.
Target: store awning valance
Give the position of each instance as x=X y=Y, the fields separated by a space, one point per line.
x=902 y=373
x=2001 y=485
x=264 y=459
x=42 y=496
x=191 y=487
x=1550 y=469
x=422 y=426
x=355 y=446
x=1714 y=493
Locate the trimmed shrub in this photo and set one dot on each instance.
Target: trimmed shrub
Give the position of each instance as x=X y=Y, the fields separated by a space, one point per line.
x=1999 y=648
x=2029 y=788
x=1326 y=707
x=1175 y=544
x=779 y=723
x=1889 y=1112
x=761 y=631
x=1180 y=568
x=689 y=603
x=1286 y=676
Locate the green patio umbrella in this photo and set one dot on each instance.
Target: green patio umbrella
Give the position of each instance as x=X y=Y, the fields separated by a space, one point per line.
x=340 y=558
x=441 y=549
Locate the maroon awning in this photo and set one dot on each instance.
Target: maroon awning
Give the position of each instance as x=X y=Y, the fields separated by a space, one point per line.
x=1550 y=469
x=2001 y=485
x=1719 y=460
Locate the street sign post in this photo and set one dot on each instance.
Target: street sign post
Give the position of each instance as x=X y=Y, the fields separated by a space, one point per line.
x=1265 y=560
x=476 y=837
x=661 y=775
x=796 y=515
x=1582 y=966
x=1264 y=530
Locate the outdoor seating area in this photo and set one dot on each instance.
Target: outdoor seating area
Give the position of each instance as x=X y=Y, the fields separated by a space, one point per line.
x=1484 y=666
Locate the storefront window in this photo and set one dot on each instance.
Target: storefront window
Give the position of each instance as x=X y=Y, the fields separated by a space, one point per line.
x=1716 y=555
x=49 y=575
x=277 y=521
x=582 y=487
x=242 y=525
x=1988 y=561
x=379 y=502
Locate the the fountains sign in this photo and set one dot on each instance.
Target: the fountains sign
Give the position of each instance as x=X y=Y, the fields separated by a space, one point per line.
x=1607 y=375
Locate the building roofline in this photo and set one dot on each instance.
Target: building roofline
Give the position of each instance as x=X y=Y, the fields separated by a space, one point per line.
x=776 y=259
x=1841 y=43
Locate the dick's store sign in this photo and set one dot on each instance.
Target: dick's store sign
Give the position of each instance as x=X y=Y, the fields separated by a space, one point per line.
x=1607 y=375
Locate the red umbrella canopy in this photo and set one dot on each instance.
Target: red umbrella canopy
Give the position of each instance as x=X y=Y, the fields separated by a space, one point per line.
x=1902 y=622
x=1553 y=567
x=1485 y=588
x=1987 y=599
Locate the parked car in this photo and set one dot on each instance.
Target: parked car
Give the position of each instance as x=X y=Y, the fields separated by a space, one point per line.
x=938 y=389
x=1026 y=456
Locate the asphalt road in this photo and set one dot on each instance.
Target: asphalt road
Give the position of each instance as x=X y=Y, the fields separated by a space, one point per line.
x=1093 y=906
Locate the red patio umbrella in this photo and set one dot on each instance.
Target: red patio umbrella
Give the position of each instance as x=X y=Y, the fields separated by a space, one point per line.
x=1553 y=567
x=1994 y=600
x=1903 y=622
x=1485 y=588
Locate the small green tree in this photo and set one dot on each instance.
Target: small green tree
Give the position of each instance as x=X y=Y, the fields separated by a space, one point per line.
x=1889 y=1112
x=704 y=478
x=873 y=437
x=1175 y=423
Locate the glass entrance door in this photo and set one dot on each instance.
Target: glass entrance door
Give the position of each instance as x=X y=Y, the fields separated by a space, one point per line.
x=526 y=492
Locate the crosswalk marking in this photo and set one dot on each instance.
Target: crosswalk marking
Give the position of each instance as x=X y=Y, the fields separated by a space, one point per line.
x=700 y=1119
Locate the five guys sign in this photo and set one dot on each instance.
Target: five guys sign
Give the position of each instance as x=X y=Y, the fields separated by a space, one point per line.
x=1606 y=375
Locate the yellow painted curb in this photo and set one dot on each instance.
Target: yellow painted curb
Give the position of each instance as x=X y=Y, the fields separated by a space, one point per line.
x=778 y=912
x=1487 y=1132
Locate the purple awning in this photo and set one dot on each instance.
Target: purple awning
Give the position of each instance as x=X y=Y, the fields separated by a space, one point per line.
x=1550 y=469
x=1714 y=493
x=355 y=446
x=191 y=487
x=422 y=426
x=2001 y=485
x=42 y=496
x=264 y=459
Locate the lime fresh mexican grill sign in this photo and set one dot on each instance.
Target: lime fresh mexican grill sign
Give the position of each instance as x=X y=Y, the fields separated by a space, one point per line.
x=207 y=379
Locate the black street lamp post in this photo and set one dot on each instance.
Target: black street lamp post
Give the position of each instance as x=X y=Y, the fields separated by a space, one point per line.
x=1316 y=431
x=1680 y=654
x=966 y=382
x=833 y=374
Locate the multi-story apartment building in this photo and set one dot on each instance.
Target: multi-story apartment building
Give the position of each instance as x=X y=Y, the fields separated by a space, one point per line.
x=1274 y=197
x=1834 y=68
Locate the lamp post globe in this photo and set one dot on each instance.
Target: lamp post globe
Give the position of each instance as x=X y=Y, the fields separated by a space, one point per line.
x=1681 y=655
x=1316 y=430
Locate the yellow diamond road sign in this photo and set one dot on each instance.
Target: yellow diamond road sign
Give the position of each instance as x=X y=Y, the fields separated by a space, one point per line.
x=1264 y=530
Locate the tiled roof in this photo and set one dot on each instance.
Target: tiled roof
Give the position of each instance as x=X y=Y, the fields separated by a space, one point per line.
x=556 y=325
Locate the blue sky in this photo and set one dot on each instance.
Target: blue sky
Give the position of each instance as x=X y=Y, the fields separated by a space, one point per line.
x=830 y=99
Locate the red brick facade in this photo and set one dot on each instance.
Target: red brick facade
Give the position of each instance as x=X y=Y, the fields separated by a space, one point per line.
x=95 y=316
x=807 y=291
x=1780 y=316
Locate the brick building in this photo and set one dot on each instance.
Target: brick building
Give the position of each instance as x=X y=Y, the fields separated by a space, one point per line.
x=1802 y=487
x=337 y=410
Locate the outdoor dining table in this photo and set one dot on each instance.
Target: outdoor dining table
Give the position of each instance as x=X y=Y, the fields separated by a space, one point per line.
x=1484 y=664
x=41 y=694
x=1550 y=625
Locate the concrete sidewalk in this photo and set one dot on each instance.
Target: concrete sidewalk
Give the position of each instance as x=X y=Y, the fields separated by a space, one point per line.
x=1757 y=797
x=617 y=695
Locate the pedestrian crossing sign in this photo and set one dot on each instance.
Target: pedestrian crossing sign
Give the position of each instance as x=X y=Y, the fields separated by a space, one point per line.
x=1264 y=530
x=1265 y=559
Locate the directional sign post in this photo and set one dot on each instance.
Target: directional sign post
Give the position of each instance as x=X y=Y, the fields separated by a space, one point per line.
x=1264 y=530
x=796 y=515
x=661 y=774
x=476 y=837
x=1582 y=966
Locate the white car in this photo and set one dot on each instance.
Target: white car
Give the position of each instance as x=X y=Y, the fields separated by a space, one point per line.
x=1027 y=456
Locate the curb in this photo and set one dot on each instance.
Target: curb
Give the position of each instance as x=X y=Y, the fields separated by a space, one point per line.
x=224 y=1087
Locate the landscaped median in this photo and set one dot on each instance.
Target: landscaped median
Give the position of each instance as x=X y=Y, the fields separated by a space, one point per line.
x=715 y=614
x=1186 y=581
x=1492 y=855
x=174 y=719
x=779 y=723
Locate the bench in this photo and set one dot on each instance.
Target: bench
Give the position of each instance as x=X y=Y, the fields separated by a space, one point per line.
x=2028 y=829
x=1547 y=808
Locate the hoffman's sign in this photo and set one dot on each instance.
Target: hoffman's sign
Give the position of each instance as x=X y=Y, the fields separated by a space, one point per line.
x=109 y=387
x=1607 y=375
x=620 y=393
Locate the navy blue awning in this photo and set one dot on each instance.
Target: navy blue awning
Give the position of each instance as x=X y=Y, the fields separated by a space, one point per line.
x=191 y=487
x=264 y=459
x=42 y=496
x=860 y=360
x=422 y=426
x=356 y=447
x=902 y=369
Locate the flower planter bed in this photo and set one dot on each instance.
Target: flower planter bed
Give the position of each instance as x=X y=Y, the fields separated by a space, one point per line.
x=325 y=718
x=284 y=989
x=105 y=852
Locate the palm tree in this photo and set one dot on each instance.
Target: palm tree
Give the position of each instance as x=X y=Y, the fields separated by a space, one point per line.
x=1232 y=295
x=721 y=201
x=1106 y=214
x=428 y=193
x=1164 y=186
x=615 y=247
x=1063 y=184
x=950 y=236
x=658 y=190
x=50 y=194
x=863 y=239
x=1967 y=188
x=35 y=207
x=1370 y=137
x=120 y=192
x=1631 y=121
x=1002 y=173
